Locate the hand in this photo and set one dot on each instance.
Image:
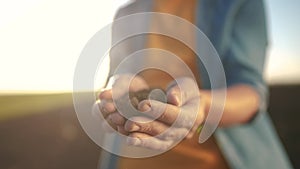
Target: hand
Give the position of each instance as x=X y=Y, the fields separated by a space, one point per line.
x=176 y=119
x=118 y=86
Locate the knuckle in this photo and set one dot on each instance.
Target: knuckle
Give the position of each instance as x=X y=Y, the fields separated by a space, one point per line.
x=147 y=128
x=131 y=126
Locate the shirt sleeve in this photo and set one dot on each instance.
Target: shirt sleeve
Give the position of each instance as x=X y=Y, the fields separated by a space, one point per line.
x=245 y=56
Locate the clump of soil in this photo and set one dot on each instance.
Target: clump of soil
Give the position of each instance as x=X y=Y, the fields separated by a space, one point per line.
x=130 y=108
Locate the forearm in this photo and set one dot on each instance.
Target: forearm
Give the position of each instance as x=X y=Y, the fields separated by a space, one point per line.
x=241 y=104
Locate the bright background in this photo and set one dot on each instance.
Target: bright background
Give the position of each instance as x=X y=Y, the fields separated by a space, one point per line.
x=41 y=40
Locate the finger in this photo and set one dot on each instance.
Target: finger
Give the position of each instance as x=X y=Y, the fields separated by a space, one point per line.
x=155 y=128
x=147 y=141
x=117 y=119
x=181 y=91
x=145 y=125
x=108 y=126
x=194 y=106
x=166 y=113
x=174 y=96
x=180 y=96
x=189 y=115
x=184 y=116
x=174 y=134
x=105 y=94
x=138 y=84
x=106 y=107
x=121 y=130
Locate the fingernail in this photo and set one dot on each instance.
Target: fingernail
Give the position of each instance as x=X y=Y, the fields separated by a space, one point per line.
x=176 y=99
x=135 y=128
x=173 y=98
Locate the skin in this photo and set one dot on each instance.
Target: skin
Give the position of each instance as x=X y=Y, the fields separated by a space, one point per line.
x=241 y=104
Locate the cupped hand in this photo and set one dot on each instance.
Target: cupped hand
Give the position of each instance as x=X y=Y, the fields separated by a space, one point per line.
x=175 y=120
x=118 y=86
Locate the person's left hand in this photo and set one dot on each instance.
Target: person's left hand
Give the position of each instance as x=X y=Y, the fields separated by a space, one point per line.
x=175 y=120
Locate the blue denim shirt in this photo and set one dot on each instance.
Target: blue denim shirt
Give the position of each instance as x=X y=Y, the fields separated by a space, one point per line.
x=237 y=29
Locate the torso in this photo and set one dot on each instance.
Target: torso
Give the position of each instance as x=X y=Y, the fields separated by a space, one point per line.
x=189 y=153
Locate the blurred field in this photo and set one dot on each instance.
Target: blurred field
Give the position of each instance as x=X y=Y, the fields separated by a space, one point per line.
x=18 y=105
x=284 y=108
x=42 y=131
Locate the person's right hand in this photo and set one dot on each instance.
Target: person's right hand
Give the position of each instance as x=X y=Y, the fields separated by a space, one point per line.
x=175 y=120
x=117 y=88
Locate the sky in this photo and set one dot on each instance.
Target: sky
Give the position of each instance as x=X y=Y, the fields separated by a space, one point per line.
x=41 y=40
x=283 y=62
